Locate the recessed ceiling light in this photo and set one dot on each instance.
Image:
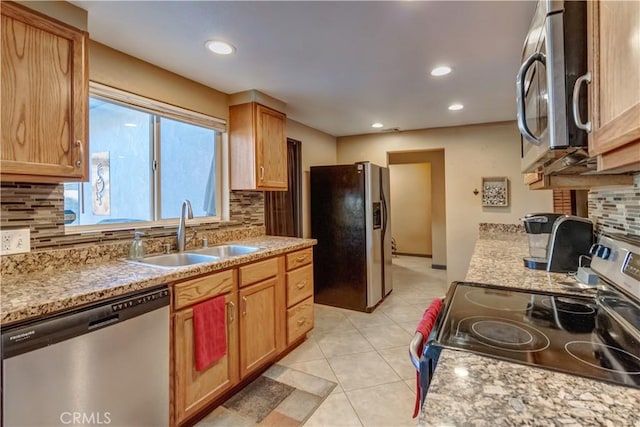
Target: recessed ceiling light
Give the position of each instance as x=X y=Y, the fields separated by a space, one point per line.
x=220 y=47
x=456 y=107
x=441 y=71
x=377 y=125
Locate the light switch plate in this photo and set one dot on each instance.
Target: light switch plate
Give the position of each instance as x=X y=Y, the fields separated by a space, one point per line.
x=15 y=241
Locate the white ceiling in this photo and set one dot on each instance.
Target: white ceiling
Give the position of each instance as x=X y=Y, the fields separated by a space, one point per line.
x=339 y=66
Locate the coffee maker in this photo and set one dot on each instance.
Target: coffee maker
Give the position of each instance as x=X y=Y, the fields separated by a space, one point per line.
x=538 y=227
x=564 y=239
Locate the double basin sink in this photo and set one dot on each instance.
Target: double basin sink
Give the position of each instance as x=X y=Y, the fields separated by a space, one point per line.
x=198 y=256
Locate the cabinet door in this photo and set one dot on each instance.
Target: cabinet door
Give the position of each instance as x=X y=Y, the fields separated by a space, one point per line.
x=193 y=389
x=257 y=325
x=614 y=61
x=271 y=149
x=44 y=99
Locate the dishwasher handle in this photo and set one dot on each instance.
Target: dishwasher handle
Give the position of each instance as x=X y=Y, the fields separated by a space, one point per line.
x=30 y=336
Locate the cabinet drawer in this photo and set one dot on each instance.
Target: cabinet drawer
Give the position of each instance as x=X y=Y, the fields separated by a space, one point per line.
x=299 y=285
x=299 y=320
x=299 y=258
x=258 y=271
x=202 y=288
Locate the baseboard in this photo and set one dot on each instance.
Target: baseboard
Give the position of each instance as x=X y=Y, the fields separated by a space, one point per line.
x=439 y=266
x=416 y=255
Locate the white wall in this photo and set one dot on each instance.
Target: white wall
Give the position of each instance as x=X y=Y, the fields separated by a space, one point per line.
x=318 y=148
x=471 y=152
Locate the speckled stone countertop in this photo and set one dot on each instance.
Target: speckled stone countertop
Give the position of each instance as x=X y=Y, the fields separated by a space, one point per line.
x=30 y=295
x=472 y=390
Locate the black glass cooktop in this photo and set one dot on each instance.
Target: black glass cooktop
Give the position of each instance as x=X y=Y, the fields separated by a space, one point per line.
x=572 y=334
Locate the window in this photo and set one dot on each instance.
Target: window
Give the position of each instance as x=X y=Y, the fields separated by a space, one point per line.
x=144 y=163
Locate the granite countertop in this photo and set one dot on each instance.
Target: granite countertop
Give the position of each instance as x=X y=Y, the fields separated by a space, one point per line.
x=472 y=390
x=30 y=295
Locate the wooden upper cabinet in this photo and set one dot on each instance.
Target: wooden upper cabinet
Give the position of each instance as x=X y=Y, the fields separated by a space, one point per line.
x=258 y=148
x=614 y=63
x=45 y=96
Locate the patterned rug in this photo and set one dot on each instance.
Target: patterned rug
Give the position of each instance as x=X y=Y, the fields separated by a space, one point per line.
x=280 y=397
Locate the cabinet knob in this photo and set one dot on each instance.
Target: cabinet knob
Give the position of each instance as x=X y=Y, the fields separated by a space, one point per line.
x=301 y=258
x=80 y=153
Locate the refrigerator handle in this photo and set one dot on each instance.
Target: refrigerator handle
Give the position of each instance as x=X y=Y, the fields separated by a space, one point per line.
x=384 y=210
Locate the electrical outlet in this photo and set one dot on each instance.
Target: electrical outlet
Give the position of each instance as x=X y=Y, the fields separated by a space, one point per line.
x=15 y=241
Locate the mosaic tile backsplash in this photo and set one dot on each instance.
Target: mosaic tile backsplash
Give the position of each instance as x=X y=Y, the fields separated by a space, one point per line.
x=616 y=209
x=40 y=208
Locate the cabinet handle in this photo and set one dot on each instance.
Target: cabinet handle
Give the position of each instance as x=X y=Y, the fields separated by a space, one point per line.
x=301 y=284
x=232 y=311
x=80 y=153
x=261 y=173
x=301 y=321
x=586 y=126
x=301 y=258
x=244 y=306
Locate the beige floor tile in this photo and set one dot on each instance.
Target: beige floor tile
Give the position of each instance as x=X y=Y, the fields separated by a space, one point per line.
x=405 y=313
x=366 y=320
x=384 y=405
x=398 y=359
x=308 y=350
x=319 y=368
x=408 y=326
x=299 y=405
x=390 y=336
x=411 y=384
x=335 y=411
x=362 y=370
x=341 y=343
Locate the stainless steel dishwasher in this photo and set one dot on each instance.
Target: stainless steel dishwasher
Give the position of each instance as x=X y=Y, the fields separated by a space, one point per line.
x=105 y=364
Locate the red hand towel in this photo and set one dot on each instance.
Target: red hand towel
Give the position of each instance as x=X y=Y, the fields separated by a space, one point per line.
x=424 y=328
x=210 y=332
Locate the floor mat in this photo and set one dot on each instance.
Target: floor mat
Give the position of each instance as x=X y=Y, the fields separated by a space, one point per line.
x=259 y=398
x=280 y=397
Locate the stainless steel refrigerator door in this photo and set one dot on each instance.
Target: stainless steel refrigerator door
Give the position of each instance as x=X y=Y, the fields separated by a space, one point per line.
x=385 y=196
x=374 y=252
x=117 y=375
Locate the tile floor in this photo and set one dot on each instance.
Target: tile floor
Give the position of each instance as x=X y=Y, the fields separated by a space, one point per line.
x=367 y=353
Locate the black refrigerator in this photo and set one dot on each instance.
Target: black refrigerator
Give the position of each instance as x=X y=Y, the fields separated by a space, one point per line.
x=350 y=220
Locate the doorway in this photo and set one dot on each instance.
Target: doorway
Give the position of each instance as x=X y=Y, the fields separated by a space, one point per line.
x=283 y=209
x=418 y=213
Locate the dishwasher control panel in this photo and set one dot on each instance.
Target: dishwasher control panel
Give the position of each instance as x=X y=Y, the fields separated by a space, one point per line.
x=140 y=299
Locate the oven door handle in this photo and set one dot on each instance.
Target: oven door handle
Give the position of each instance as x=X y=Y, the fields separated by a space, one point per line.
x=520 y=92
x=415 y=347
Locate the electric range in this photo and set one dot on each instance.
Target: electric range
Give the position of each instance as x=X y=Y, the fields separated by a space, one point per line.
x=594 y=333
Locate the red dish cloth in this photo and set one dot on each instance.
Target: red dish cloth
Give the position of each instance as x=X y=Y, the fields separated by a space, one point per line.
x=424 y=328
x=210 y=332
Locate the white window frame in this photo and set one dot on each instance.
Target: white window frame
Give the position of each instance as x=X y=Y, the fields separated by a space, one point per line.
x=169 y=111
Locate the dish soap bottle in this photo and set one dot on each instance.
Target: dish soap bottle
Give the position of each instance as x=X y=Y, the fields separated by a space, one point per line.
x=137 y=246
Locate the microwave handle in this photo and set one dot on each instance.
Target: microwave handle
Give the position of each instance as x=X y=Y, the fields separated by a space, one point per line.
x=520 y=88
x=576 y=97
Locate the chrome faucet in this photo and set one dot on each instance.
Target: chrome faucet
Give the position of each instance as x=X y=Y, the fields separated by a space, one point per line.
x=182 y=235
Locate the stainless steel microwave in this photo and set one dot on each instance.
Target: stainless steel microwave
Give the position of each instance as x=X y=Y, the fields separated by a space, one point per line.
x=553 y=57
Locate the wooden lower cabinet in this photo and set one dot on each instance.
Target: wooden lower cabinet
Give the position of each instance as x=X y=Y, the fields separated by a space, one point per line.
x=257 y=325
x=193 y=389
x=299 y=320
x=269 y=309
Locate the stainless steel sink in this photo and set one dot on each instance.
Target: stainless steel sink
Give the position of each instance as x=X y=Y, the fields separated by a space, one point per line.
x=179 y=259
x=226 y=251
